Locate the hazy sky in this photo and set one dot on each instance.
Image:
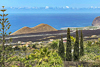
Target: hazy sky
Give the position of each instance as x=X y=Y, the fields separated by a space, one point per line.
x=51 y=3
x=51 y=6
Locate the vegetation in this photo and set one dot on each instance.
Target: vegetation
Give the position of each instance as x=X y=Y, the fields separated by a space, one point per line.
x=54 y=45
x=5 y=25
x=81 y=45
x=76 y=47
x=68 y=47
x=45 y=57
x=61 y=48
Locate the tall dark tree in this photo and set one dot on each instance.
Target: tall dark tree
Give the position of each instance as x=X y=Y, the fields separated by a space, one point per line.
x=68 y=46
x=76 y=47
x=81 y=45
x=5 y=25
x=61 y=48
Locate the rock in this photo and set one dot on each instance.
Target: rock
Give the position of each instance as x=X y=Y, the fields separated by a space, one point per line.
x=96 y=21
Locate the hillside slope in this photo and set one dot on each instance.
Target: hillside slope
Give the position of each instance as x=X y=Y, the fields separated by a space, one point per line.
x=39 y=28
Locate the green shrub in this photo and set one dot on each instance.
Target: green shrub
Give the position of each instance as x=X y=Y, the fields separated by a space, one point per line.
x=46 y=58
x=80 y=65
x=16 y=48
x=97 y=57
x=88 y=58
x=24 y=48
x=34 y=46
x=92 y=49
x=96 y=64
x=61 y=49
x=54 y=45
x=89 y=43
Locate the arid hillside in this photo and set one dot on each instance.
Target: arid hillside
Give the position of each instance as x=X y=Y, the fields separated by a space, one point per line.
x=39 y=28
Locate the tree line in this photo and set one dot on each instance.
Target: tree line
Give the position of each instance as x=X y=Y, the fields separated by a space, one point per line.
x=73 y=51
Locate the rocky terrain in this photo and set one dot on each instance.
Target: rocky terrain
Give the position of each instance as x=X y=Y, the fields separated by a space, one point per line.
x=40 y=36
x=96 y=21
x=44 y=36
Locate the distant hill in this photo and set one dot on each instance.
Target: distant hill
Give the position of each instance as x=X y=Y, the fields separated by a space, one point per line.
x=96 y=21
x=39 y=28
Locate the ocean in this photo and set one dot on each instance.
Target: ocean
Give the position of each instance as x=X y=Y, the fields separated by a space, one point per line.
x=56 y=20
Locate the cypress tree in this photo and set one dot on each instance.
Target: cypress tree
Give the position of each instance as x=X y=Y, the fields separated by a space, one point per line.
x=76 y=47
x=68 y=46
x=81 y=45
x=61 y=48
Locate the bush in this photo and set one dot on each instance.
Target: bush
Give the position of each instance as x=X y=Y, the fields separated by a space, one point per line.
x=34 y=46
x=88 y=58
x=16 y=48
x=89 y=43
x=46 y=58
x=24 y=48
x=92 y=49
x=97 y=57
x=8 y=47
x=96 y=64
x=54 y=45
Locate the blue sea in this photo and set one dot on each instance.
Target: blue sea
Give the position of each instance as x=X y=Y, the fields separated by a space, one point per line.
x=56 y=20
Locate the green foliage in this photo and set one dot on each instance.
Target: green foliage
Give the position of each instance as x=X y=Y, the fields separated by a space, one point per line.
x=88 y=57
x=76 y=47
x=68 y=46
x=98 y=43
x=72 y=39
x=27 y=63
x=93 y=49
x=8 y=47
x=34 y=46
x=46 y=58
x=97 y=57
x=96 y=65
x=0 y=55
x=80 y=65
x=12 y=58
x=54 y=45
x=41 y=55
x=81 y=45
x=5 y=25
x=24 y=48
x=97 y=61
x=89 y=43
x=61 y=48
x=98 y=39
x=16 y=48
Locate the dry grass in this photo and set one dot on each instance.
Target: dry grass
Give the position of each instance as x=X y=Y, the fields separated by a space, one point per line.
x=38 y=28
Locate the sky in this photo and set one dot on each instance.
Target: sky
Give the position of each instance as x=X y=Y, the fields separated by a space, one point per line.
x=51 y=4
